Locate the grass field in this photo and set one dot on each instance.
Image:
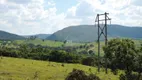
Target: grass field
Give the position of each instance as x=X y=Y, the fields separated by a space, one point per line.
x=24 y=69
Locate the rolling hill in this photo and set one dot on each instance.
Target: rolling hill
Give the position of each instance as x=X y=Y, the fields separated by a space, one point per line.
x=88 y=33
x=9 y=36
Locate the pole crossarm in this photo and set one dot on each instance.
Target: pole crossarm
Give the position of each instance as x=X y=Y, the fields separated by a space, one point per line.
x=102 y=30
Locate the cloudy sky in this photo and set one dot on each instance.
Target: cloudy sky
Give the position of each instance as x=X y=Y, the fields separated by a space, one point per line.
x=26 y=17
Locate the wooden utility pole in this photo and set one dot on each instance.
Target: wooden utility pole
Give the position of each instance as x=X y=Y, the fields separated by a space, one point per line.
x=102 y=30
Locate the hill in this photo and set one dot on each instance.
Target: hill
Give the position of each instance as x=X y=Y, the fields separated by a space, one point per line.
x=24 y=69
x=9 y=36
x=88 y=33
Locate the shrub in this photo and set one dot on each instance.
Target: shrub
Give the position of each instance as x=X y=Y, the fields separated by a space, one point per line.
x=93 y=77
x=130 y=77
x=122 y=77
x=80 y=75
x=90 y=61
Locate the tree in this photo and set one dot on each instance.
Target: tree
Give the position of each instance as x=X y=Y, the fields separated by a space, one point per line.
x=138 y=64
x=58 y=56
x=24 y=50
x=121 y=54
x=63 y=56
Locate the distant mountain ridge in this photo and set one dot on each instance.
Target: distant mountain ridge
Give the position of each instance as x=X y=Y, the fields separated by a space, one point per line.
x=9 y=36
x=81 y=33
x=88 y=33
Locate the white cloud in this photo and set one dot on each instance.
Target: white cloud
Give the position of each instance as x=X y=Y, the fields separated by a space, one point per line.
x=71 y=12
x=83 y=12
x=31 y=17
x=51 y=3
x=2 y=1
x=41 y=16
x=124 y=12
x=84 y=9
x=19 y=1
x=5 y=23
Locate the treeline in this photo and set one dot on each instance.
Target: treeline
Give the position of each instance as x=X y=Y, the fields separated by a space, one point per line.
x=41 y=53
x=68 y=54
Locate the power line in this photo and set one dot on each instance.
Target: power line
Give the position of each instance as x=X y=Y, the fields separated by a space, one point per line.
x=102 y=31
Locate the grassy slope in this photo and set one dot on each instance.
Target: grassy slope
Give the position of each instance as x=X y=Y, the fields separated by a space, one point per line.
x=24 y=69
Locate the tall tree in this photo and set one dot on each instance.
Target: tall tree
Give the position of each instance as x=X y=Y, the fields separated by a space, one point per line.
x=121 y=54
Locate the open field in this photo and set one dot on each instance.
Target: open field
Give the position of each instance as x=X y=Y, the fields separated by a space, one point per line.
x=24 y=69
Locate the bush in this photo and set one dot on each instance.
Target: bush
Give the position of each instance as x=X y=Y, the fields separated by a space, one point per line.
x=63 y=56
x=93 y=77
x=80 y=75
x=90 y=61
x=130 y=77
x=76 y=75
x=122 y=77
x=115 y=72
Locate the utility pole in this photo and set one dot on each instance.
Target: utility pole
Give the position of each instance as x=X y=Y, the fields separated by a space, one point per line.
x=102 y=30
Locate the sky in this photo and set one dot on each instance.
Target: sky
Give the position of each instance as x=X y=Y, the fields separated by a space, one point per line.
x=27 y=17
